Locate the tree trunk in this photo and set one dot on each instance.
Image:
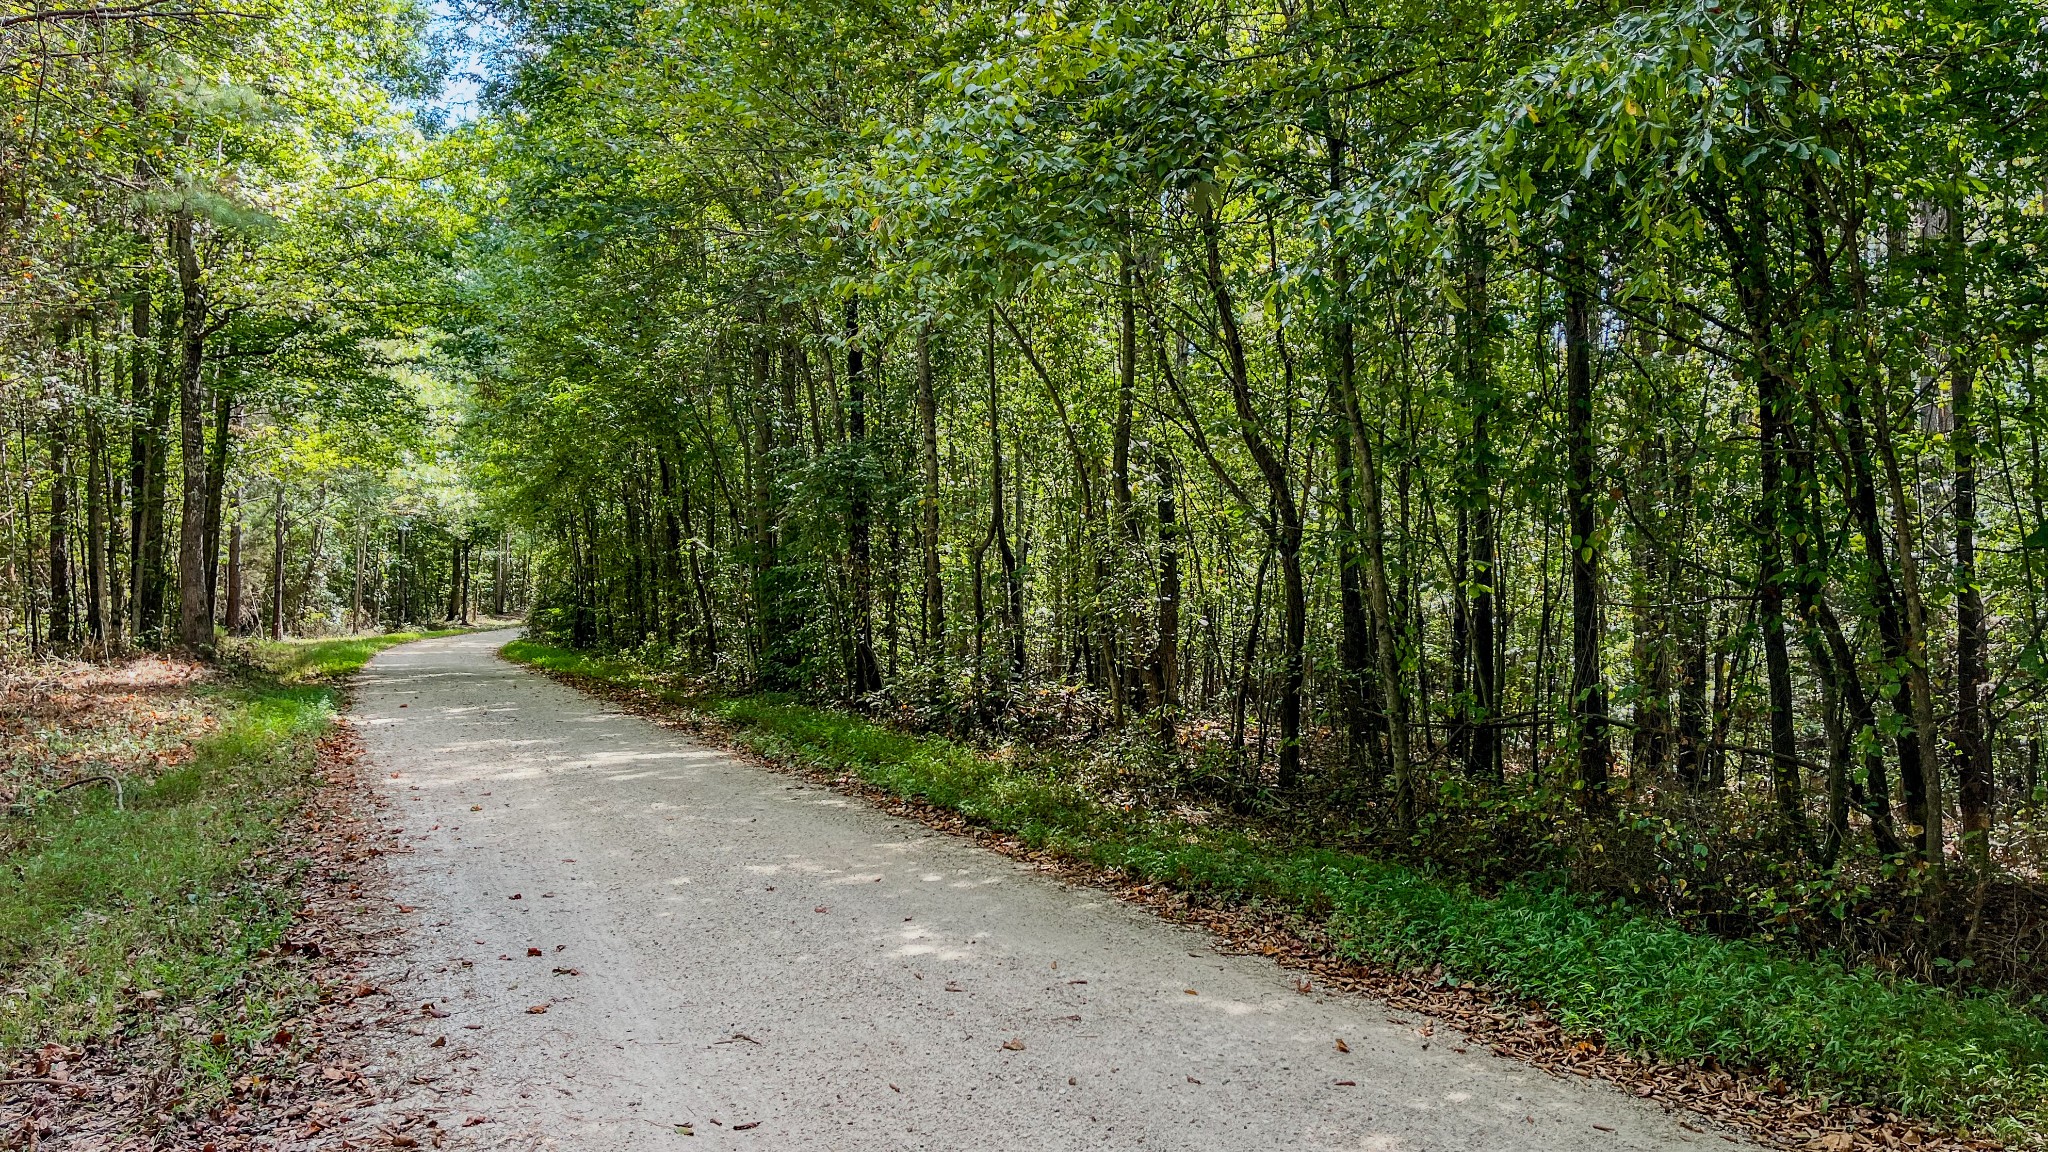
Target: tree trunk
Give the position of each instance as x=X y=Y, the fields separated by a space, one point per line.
x=1166 y=649
x=1972 y=751
x=867 y=674
x=235 y=607
x=195 y=622
x=933 y=596
x=1380 y=601
x=1013 y=588
x=216 y=485
x=1286 y=523
x=1482 y=761
x=277 y=566
x=58 y=633
x=1589 y=688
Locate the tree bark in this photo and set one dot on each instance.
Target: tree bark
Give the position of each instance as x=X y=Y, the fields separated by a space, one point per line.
x=1482 y=759
x=1380 y=600
x=58 y=633
x=277 y=567
x=216 y=485
x=933 y=595
x=235 y=606
x=195 y=622
x=1589 y=688
x=867 y=673
x=1972 y=751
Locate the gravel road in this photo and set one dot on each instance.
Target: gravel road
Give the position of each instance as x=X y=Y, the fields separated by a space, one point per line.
x=630 y=931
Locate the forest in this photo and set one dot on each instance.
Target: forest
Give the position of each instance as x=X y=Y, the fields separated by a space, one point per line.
x=1548 y=439
x=1596 y=445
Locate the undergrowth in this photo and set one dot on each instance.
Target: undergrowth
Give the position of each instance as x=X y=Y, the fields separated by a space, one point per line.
x=140 y=914
x=1841 y=1032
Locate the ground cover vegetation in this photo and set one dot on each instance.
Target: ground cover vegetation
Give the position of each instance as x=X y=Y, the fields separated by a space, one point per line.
x=147 y=883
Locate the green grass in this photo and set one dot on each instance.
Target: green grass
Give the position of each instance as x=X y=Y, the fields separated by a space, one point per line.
x=148 y=918
x=298 y=661
x=1645 y=984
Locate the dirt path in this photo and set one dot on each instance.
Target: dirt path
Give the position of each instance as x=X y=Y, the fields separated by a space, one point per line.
x=780 y=967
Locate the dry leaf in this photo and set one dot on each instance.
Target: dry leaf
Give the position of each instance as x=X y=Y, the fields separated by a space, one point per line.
x=1013 y=1044
x=1342 y=1046
x=536 y=1010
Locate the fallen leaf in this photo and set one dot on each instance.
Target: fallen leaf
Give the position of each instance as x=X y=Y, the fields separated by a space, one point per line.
x=536 y=1010
x=1190 y=992
x=1013 y=1044
x=821 y=908
x=568 y=971
x=747 y=1125
x=1603 y=1128
x=1342 y=1046
x=1347 y=1083
x=533 y=951
x=515 y=896
x=476 y=807
x=473 y=1121
x=1192 y=1080
x=439 y=1042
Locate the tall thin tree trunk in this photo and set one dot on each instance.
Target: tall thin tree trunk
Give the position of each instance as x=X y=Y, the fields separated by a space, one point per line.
x=1589 y=688
x=1166 y=650
x=1974 y=783
x=933 y=596
x=1387 y=655
x=1013 y=588
x=58 y=632
x=236 y=609
x=1286 y=521
x=1482 y=759
x=195 y=623
x=277 y=558
x=216 y=493
x=867 y=673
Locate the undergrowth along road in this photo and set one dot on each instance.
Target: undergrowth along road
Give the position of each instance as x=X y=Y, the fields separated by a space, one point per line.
x=1846 y=1036
x=139 y=901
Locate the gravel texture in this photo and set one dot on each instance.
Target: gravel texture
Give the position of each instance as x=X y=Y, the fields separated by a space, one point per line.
x=774 y=965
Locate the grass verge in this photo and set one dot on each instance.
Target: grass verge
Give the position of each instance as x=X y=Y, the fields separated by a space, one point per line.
x=297 y=661
x=1841 y=1033
x=141 y=915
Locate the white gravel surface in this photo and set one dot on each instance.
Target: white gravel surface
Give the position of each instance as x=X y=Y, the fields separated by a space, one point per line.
x=781 y=967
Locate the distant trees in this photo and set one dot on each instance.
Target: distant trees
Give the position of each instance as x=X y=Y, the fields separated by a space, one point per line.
x=214 y=231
